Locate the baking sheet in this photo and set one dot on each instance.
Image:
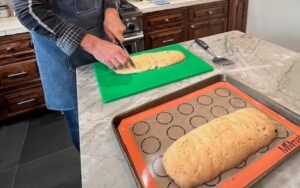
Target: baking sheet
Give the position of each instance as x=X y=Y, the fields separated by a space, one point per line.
x=147 y=134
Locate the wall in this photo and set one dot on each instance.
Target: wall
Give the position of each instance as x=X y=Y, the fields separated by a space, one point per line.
x=277 y=21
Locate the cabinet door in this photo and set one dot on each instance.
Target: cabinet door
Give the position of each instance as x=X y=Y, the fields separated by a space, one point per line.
x=209 y=11
x=203 y=29
x=164 y=19
x=14 y=48
x=16 y=73
x=238 y=15
x=21 y=101
x=166 y=37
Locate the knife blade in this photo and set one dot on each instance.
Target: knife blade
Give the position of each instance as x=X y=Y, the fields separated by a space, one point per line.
x=122 y=46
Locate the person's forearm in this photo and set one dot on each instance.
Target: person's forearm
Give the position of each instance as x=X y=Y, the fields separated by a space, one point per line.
x=37 y=16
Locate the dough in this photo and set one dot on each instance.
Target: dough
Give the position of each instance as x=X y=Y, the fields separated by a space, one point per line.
x=148 y=61
x=219 y=145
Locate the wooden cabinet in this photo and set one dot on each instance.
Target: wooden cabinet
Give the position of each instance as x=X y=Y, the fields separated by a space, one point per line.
x=238 y=15
x=202 y=29
x=15 y=48
x=164 y=20
x=210 y=11
x=177 y=25
x=20 y=87
x=17 y=73
x=166 y=37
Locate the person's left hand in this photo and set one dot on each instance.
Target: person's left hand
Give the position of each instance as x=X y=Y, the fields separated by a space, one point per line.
x=113 y=25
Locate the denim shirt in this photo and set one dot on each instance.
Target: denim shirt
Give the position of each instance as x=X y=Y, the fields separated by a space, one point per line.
x=58 y=54
x=64 y=21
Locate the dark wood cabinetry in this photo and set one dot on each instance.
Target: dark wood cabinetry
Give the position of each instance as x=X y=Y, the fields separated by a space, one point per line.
x=238 y=15
x=20 y=86
x=177 y=25
x=164 y=20
x=210 y=11
x=202 y=29
x=165 y=37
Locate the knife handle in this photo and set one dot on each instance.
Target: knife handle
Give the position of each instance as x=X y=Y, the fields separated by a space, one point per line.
x=202 y=44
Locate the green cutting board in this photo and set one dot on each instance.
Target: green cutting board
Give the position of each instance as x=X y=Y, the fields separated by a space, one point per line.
x=113 y=86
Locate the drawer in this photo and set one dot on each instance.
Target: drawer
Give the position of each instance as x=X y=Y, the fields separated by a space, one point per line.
x=16 y=49
x=203 y=29
x=18 y=72
x=164 y=38
x=25 y=100
x=15 y=46
x=165 y=19
x=209 y=11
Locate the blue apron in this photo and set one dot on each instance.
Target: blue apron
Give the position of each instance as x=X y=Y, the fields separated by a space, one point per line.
x=57 y=70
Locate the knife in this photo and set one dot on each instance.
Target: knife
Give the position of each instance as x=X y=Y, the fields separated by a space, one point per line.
x=122 y=46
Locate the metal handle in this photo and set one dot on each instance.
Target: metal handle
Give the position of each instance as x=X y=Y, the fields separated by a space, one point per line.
x=134 y=38
x=16 y=74
x=205 y=46
x=210 y=12
x=26 y=101
x=202 y=44
x=169 y=40
x=192 y=26
x=167 y=20
x=9 y=49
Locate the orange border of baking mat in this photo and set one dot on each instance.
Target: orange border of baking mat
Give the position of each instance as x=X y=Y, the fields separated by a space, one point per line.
x=241 y=179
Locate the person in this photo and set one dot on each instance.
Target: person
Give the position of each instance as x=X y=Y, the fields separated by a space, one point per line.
x=67 y=34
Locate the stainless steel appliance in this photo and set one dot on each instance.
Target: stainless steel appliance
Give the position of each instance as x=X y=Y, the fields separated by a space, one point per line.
x=132 y=19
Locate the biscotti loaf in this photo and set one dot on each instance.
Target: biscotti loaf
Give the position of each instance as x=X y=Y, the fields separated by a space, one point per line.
x=148 y=61
x=223 y=143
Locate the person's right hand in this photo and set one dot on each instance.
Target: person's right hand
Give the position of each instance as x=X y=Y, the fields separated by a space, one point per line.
x=106 y=52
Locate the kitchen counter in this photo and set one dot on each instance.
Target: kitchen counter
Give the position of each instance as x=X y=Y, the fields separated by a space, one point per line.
x=266 y=67
x=147 y=6
x=11 y=26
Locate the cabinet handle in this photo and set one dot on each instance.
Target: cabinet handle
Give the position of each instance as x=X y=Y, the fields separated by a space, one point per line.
x=192 y=26
x=26 y=101
x=9 y=49
x=168 y=40
x=16 y=74
x=210 y=12
x=167 y=20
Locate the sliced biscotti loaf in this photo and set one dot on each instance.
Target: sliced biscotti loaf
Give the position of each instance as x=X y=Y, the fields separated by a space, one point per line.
x=148 y=61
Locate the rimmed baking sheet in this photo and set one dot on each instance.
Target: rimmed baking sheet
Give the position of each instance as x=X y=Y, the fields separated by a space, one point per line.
x=146 y=132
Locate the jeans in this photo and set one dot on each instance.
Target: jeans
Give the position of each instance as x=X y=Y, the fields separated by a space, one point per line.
x=72 y=119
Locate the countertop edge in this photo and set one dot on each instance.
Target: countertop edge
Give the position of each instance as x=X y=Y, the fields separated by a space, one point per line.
x=11 y=26
x=155 y=8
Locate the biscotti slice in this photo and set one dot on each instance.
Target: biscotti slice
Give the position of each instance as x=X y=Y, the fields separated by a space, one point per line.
x=219 y=145
x=148 y=61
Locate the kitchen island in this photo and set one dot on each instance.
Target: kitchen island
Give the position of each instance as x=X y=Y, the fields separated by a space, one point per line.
x=269 y=69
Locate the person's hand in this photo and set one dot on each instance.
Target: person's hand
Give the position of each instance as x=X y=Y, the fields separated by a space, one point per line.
x=113 y=25
x=108 y=53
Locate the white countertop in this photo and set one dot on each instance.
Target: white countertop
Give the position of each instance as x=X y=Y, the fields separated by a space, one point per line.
x=265 y=67
x=146 y=6
x=11 y=26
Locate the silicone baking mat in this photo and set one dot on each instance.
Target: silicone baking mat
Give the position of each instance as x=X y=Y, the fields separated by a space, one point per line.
x=148 y=134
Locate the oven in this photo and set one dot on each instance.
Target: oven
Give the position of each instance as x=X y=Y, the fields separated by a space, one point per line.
x=132 y=19
x=134 y=43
